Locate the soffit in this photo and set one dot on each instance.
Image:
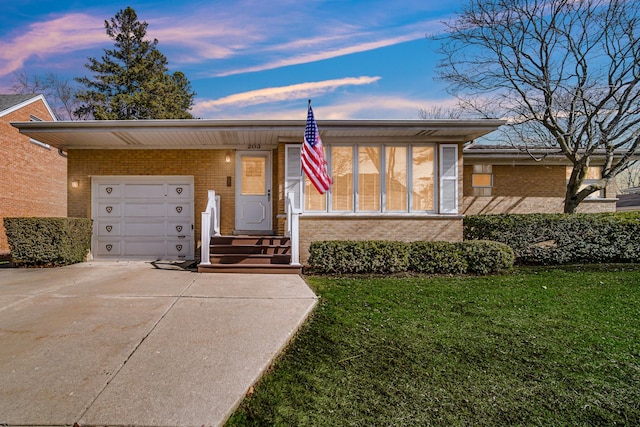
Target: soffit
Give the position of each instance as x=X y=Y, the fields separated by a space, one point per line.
x=239 y=134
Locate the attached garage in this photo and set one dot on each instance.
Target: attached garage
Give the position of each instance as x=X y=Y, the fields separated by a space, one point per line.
x=142 y=217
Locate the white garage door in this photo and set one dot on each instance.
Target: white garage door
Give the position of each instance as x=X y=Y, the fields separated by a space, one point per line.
x=142 y=217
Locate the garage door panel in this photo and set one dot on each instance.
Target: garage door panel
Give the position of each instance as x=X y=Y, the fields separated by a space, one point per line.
x=145 y=210
x=108 y=248
x=107 y=228
x=176 y=229
x=109 y=190
x=179 y=191
x=143 y=217
x=177 y=249
x=144 y=248
x=179 y=210
x=109 y=210
x=144 y=229
x=148 y=191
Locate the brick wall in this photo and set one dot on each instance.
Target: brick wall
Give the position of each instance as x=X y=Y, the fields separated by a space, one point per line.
x=32 y=178
x=526 y=189
x=208 y=168
x=377 y=228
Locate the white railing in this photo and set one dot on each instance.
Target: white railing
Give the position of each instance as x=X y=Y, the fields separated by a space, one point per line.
x=210 y=226
x=293 y=228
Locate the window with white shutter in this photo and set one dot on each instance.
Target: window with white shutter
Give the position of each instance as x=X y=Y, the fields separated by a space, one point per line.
x=449 y=179
x=293 y=174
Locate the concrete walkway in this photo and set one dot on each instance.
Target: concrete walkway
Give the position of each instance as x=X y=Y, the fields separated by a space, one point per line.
x=106 y=343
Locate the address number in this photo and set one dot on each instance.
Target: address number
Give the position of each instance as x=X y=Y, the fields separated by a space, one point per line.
x=253 y=147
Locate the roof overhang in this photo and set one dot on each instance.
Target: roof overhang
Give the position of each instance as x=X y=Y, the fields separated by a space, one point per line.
x=238 y=134
x=508 y=155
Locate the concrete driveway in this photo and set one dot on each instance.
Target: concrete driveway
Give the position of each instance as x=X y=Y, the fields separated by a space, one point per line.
x=124 y=343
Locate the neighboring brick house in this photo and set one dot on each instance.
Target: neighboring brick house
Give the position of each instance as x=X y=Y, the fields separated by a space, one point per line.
x=33 y=175
x=509 y=180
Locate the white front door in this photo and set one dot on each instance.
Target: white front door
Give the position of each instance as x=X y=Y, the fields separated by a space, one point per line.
x=253 y=191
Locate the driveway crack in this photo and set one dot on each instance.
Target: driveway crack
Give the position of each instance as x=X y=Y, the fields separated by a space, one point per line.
x=135 y=349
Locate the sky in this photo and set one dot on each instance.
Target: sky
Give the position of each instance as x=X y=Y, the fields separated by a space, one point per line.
x=253 y=59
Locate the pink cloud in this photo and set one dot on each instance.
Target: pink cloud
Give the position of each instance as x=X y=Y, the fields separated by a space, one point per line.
x=49 y=38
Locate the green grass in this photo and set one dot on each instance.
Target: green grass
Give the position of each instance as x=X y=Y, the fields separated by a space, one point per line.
x=537 y=347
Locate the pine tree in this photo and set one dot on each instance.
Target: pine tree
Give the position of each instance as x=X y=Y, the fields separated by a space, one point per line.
x=132 y=80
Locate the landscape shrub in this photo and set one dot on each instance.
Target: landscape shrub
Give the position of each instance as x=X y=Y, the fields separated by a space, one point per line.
x=437 y=257
x=347 y=257
x=553 y=239
x=48 y=241
x=486 y=257
x=380 y=257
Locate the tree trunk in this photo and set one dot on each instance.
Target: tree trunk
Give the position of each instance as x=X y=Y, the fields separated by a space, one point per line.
x=571 y=200
x=570 y=204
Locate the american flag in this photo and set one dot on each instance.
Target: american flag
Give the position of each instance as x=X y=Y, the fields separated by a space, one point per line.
x=313 y=162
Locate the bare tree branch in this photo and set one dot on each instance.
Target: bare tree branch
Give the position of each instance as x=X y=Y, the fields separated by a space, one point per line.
x=60 y=93
x=565 y=72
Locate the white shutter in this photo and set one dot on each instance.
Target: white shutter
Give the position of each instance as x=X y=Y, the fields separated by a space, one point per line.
x=449 y=178
x=293 y=174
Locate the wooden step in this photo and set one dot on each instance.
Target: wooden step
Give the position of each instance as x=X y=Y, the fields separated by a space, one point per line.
x=250 y=254
x=250 y=268
x=250 y=249
x=249 y=259
x=251 y=240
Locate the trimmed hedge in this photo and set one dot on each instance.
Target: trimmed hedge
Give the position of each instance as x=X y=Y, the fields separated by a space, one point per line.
x=383 y=257
x=48 y=241
x=554 y=239
x=367 y=256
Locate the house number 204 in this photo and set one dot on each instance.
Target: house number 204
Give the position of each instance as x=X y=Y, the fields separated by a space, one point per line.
x=253 y=147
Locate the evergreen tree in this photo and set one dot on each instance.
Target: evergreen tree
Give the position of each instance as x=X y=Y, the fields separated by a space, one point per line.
x=132 y=80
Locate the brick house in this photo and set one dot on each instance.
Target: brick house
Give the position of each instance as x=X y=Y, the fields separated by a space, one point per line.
x=33 y=175
x=159 y=189
x=507 y=180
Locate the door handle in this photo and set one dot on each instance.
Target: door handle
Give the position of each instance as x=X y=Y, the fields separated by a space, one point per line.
x=269 y=195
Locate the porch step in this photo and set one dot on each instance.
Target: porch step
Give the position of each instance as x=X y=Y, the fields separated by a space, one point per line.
x=251 y=268
x=249 y=259
x=250 y=254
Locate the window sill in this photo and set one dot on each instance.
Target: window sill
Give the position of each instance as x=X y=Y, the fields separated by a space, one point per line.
x=600 y=200
x=372 y=215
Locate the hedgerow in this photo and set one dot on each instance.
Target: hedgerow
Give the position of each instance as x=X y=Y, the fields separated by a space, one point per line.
x=554 y=239
x=433 y=257
x=48 y=241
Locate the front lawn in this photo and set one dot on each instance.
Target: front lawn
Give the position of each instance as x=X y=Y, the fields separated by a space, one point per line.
x=536 y=347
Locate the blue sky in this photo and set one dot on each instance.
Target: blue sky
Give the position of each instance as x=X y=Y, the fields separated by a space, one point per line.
x=253 y=59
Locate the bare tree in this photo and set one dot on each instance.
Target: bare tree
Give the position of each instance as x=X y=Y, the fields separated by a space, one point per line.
x=629 y=178
x=564 y=72
x=440 y=112
x=60 y=93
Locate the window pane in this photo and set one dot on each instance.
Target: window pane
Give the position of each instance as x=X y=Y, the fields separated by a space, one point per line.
x=369 y=178
x=422 y=182
x=396 y=178
x=342 y=174
x=294 y=169
x=593 y=172
x=481 y=180
x=253 y=176
x=313 y=201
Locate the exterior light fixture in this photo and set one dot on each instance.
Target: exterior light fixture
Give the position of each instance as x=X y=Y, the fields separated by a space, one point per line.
x=75 y=183
x=227 y=157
